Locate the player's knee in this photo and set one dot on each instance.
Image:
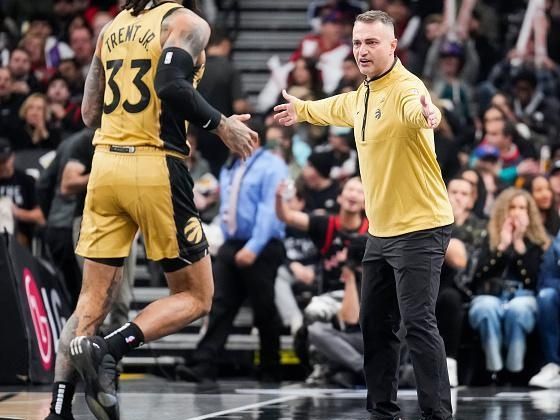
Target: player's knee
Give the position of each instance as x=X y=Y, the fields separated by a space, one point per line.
x=194 y=284
x=206 y=304
x=201 y=298
x=195 y=303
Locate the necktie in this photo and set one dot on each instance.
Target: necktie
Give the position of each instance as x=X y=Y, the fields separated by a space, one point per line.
x=233 y=197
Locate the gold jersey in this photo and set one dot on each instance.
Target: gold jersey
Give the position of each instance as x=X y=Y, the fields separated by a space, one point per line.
x=403 y=186
x=133 y=115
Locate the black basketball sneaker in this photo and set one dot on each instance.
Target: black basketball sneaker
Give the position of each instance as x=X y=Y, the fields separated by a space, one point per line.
x=98 y=369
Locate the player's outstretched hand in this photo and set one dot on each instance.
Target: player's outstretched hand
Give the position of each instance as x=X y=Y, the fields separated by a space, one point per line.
x=429 y=112
x=239 y=138
x=286 y=113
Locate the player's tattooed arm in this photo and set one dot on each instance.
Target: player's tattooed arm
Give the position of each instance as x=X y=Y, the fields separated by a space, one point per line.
x=184 y=29
x=94 y=90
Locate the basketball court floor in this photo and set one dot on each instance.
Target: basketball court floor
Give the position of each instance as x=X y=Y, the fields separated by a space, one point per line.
x=154 y=398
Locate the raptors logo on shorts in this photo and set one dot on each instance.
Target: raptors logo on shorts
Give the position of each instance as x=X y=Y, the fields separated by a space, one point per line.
x=193 y=231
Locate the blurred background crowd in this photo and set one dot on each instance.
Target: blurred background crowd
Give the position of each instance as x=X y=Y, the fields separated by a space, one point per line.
x=294 y=246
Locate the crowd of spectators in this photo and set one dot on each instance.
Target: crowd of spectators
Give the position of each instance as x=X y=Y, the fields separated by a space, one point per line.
x=499 y=150
x=493 y=70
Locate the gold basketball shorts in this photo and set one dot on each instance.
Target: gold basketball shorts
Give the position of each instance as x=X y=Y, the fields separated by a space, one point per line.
x=144 y=188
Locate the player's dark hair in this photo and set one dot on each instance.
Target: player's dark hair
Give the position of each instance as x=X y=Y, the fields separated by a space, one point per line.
x=138 y=5
x=191 y=5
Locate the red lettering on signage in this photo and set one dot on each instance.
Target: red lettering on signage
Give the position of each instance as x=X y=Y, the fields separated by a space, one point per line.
x=40 y=320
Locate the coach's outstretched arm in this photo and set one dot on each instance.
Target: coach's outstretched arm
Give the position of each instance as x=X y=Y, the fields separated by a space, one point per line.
x=416 y=108
x=187 y=36
x=337 y=110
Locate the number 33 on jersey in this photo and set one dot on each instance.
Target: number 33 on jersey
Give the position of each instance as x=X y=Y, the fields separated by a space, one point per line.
x=133 y=115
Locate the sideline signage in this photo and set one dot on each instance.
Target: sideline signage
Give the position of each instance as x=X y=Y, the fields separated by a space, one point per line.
x=33 y=310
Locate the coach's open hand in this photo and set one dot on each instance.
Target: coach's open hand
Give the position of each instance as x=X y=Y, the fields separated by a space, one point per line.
x=286 y=113
x=429 y=112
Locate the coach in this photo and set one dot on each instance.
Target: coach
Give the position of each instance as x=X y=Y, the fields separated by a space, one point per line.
x=408 y=210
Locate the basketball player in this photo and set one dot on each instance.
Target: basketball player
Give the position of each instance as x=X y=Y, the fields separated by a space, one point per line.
x=139 y=93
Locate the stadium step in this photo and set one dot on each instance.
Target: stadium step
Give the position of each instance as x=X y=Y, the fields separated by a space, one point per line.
x=281 y=21
x=268 y=40
x=171 y=350
x=270 y=5
x=252 y=61
x=266 y=28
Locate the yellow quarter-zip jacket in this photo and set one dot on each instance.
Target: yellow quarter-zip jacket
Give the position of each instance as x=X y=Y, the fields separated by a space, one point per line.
x=404 y=190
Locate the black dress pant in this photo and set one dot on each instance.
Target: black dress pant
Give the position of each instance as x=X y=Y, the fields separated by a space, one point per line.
x=400 y=282
x=232 y=285
x=450 y=316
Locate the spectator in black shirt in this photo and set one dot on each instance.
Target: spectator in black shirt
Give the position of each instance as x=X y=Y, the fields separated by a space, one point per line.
x=66 y=114
x=36 y=133
x=351 y=76
x=467 y=236
x=59 y=210
x=535 y=109
x=75 y=175
x=468 y=227
x=70 y=70
x=331 y=234
x=320 y=191
x=447 y=147
x=83 y=45
x=479 y=193
x=486 y=50
x=344 y=156
x=25 y=81
x=20 y=188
